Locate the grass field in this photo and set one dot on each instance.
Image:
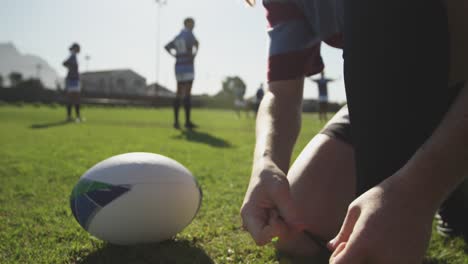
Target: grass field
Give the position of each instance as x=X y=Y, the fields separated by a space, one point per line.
x=41 y=158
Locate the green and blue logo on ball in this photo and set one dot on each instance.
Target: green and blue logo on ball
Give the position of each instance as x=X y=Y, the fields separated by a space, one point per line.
x=89 y=196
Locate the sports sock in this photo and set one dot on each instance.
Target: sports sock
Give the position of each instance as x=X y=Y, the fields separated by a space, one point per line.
x=77 y=110
x=187 y=106
x=176 y=109
x=69 y=109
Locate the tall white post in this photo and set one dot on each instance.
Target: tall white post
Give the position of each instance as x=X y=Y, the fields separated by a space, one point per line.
x=87 y=58
x=159 y=5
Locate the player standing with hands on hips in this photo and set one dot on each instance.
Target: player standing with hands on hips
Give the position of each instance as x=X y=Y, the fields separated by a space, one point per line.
x=72 y=83
x=184 y=48
x=406 y=154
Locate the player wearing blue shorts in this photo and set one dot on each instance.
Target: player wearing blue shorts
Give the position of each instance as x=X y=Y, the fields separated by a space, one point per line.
x=373 y=193
x=72 y=82
x=322 y=84
x=184 y=48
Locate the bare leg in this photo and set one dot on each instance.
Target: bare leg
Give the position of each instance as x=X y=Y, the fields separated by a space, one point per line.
x=323 y=184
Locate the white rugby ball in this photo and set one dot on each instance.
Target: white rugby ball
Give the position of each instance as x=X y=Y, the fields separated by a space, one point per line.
x=136 y=198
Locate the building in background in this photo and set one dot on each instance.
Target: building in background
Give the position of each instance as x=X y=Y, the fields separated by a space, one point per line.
x=156 y=90
x=114 y=83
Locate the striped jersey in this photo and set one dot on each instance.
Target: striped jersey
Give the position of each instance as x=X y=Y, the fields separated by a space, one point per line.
x=184 y=45
x=72 y=65
x=322 y=85
x=296 y=30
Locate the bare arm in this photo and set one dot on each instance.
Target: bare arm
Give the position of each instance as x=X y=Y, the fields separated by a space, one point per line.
x=67 y=63
x=169 y=47
x=401 y=208
x=441 y=163
x=196 y=47
x=278 y=122
x=268 y=209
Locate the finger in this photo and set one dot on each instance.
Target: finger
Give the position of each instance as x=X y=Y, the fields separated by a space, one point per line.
x=337 y=252
x=346 y=229
x=280 y=228
x=250 y=2
x=348 y=253
x=281 y=197
x=256 y=223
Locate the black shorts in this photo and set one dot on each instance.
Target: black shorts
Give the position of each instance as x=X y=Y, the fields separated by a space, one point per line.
x=339 y=126
x=396 y=71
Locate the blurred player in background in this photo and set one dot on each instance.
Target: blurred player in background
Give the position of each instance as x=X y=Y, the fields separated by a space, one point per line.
x=322 y=84
x=258 y=97
x=72 y=82
x=184 y=48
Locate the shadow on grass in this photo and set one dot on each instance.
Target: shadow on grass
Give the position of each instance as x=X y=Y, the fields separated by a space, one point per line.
x=202 y=137
x=434 y=261
x=48 y=125
x=181 y=251
x=321 y=258
x=324 y=259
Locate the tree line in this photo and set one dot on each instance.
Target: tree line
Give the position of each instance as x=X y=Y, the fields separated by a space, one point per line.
x=15 y=79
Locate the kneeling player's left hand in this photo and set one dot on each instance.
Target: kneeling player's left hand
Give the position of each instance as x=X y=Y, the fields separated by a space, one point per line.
x=390 y=223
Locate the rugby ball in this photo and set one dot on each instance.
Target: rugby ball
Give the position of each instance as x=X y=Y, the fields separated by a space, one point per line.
x=136 y=198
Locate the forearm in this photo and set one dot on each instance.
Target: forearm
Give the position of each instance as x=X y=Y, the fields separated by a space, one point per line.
x=278 y=123
x=442 y=162
x=168 y=48
x=195 y=50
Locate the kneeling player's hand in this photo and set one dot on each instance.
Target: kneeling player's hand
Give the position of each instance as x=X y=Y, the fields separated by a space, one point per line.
x=390 y=223
x=268 y=210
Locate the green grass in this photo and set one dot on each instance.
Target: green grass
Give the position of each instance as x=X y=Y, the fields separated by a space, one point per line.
x=41 y=159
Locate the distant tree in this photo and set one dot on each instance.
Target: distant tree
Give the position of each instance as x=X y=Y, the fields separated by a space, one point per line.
x=15 y=78
x=31 y=83
x=232 y=87
x=1 y=81
x=58 y=85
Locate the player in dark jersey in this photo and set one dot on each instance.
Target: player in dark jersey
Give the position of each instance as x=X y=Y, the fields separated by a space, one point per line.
x=72 y=83
x=322 y=85
x=184 y=48
x=259 y=97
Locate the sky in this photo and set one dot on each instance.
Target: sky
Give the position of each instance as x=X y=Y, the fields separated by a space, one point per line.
x=122 y=34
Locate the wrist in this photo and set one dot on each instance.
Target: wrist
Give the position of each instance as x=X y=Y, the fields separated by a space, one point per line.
x=263 y=163
x=418 y=186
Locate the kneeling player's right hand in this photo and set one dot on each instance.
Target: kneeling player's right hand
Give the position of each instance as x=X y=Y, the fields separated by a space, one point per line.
x=268 y=210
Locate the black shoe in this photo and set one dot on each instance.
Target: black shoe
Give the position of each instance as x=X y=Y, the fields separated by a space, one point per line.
x=452 y=216
x=448 y=227
x=190 y=125
x=176 y=126
x=443 y=227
